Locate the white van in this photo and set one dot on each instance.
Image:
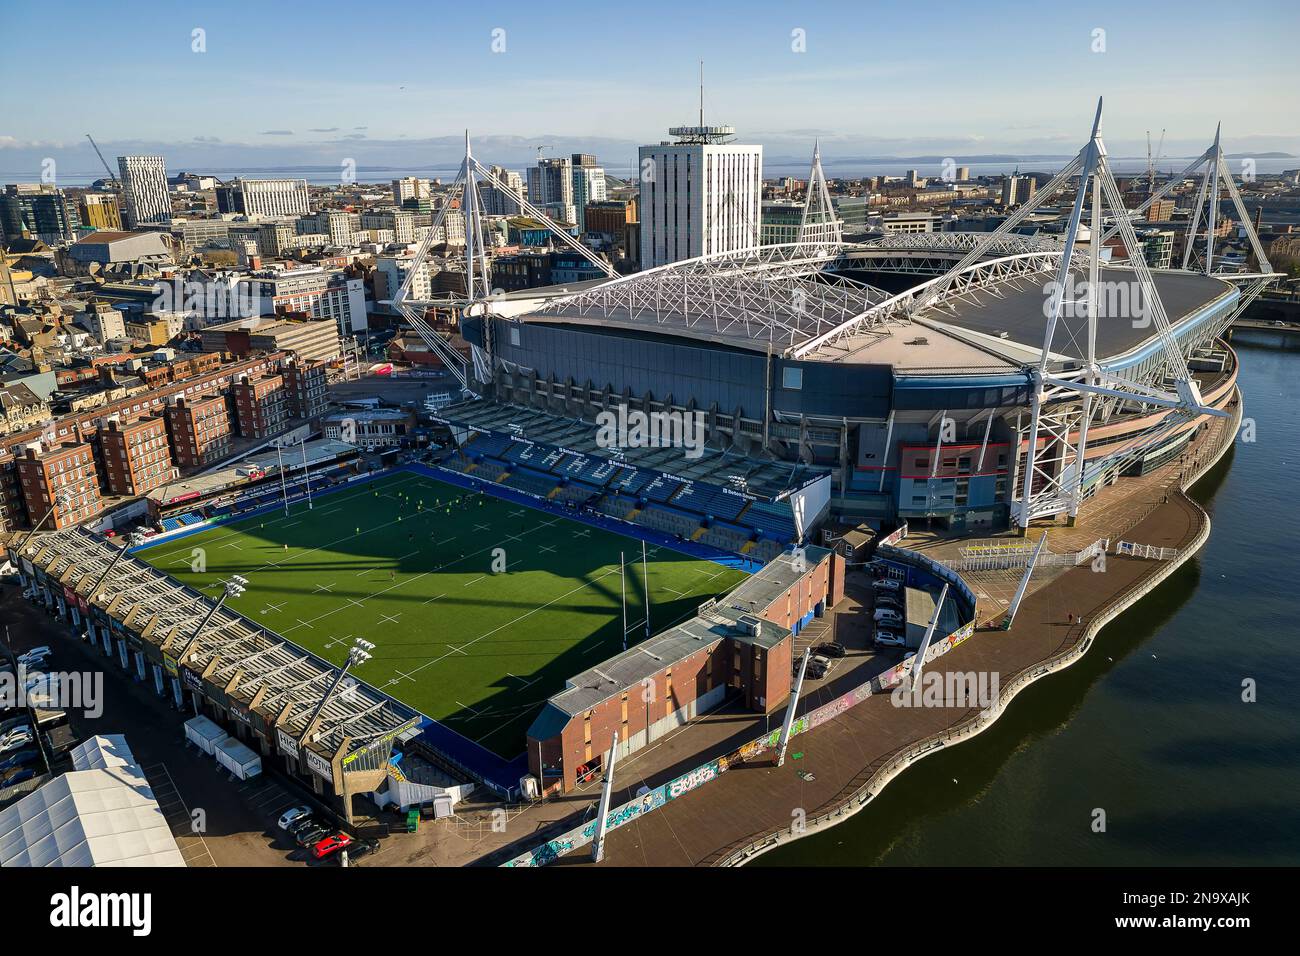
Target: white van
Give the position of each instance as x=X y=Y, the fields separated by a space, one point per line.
x=887 y=615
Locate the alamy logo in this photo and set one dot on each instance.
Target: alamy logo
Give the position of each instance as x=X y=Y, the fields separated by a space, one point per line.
x=1115 y=300
x=213 y=300
x=76 y=909
x=57 y=690
x=948 y=689
x=637 y=429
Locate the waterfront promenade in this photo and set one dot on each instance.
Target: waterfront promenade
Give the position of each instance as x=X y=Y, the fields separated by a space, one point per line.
x=754 y=806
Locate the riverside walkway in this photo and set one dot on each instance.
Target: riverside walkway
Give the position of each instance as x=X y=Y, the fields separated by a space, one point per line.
x=755 y=805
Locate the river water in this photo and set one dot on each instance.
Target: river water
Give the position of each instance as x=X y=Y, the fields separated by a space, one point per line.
x=1150 y=727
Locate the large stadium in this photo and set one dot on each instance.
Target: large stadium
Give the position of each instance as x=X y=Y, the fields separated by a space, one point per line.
x=554 y=579
x=803 y=359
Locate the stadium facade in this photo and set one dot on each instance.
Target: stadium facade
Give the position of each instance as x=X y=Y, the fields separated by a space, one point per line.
x=800 y=358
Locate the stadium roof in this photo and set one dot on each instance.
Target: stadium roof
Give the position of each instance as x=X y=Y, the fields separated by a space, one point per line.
x=263 y=659
x=761 y=298
x=102 y=813
x=1018 y=309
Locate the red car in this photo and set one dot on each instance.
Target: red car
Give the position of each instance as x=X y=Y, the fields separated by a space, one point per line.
x=331 y=845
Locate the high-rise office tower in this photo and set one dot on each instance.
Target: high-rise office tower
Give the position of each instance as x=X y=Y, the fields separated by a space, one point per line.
x=700 y=195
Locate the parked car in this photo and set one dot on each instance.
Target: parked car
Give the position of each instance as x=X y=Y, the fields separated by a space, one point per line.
x=289 y=817
x=889 y=639
x=304 y=823
x=310 y=836
x=362 y=848
x=20 y=759
x=15 y=739
x=21 y=720
x=830 y=649
x=331 y=845
x=887 y=615
x=887 y=584
x=889 y=600
x=12 y=777
x=36 y=657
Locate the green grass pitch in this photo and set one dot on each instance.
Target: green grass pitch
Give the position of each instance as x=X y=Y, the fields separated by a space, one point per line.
x=406 y=562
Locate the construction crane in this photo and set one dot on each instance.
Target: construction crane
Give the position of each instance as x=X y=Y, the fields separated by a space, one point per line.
x=111 y=178
x=539 y=152
x=1151 y=161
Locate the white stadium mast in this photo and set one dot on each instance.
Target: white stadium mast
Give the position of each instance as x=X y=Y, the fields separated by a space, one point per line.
x=476 y=262
x=1055 y=477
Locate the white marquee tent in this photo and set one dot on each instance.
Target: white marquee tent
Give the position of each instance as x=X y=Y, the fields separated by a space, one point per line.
x=102 y=813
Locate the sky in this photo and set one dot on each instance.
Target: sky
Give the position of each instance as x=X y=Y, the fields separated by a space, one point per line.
x=242 y=83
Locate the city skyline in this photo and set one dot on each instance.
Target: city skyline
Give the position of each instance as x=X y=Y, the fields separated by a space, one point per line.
x=411 y=109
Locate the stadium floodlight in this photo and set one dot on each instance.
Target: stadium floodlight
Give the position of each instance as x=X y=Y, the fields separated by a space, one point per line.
x=133 y=540
x=62 y=497
x=359 y=653
x=233 y=586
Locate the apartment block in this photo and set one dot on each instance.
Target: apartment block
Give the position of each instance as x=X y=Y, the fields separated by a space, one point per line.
x=61 y=480
x=137 y=457
x=201 y=430
x=261 y=406
x=307 y=387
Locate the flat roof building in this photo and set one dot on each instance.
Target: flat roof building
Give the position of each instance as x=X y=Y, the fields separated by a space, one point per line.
x=137 y=456
x=62 y=480
x=200 y=430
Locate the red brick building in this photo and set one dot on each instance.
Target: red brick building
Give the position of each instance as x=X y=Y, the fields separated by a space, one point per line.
x=62 y=478
x=306 y=386
x=201 y=430
x=261 y=406
x=741 y=648
x=137 y=456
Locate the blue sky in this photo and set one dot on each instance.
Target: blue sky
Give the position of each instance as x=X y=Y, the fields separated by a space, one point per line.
x=307 y=82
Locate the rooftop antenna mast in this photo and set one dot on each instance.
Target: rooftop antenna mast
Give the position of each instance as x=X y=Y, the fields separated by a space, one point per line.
x=701 y=92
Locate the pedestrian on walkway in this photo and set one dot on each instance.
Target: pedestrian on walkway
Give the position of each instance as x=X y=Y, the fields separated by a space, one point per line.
x=1070 y=617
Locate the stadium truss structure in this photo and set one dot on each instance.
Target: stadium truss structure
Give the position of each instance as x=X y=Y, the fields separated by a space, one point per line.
x=778 y=295
x=306 y=698
x=1055 y=477
x=477 y=263
x=790 y=301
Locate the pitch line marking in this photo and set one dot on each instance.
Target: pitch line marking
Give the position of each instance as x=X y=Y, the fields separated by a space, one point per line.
x=304 y=623
x=475 y=581
x=390 y=618
x=343 y=496
x=502 y=627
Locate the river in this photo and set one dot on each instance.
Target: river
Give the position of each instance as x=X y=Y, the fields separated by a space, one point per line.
x=1150 y=727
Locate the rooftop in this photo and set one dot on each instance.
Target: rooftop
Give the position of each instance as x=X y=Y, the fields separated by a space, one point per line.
x=751 y=597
